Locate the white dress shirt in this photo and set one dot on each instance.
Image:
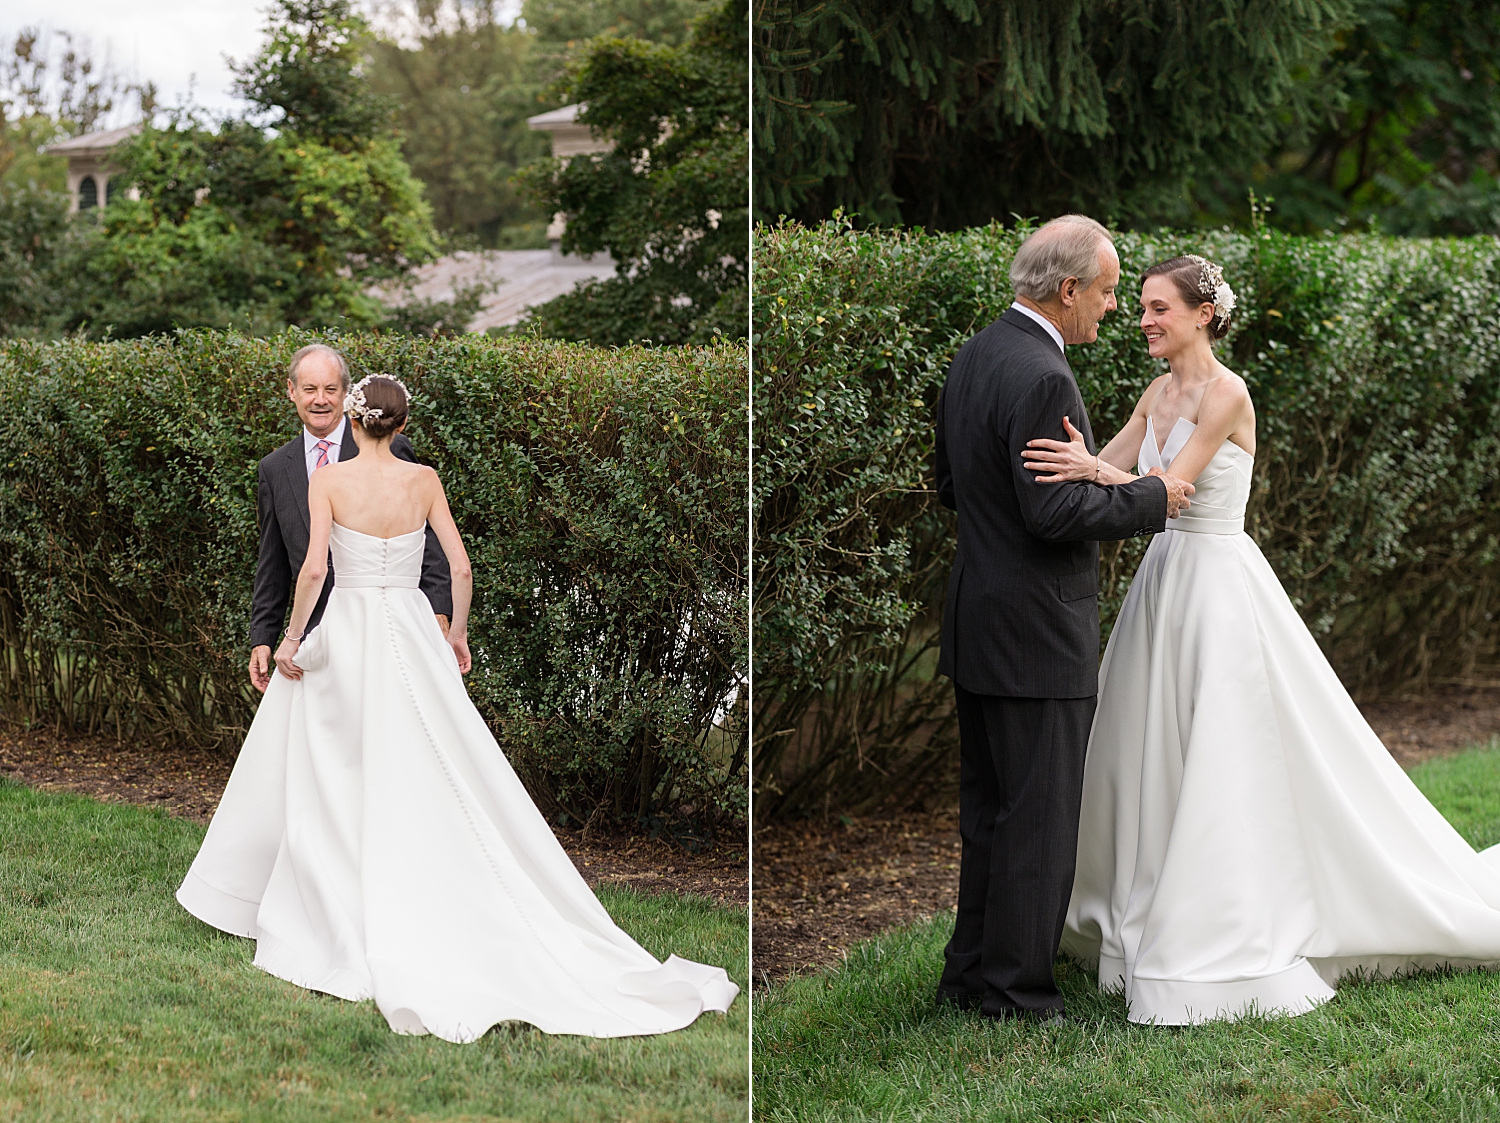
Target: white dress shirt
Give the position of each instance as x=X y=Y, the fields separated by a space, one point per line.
x=1046 y=323
x=334 y=439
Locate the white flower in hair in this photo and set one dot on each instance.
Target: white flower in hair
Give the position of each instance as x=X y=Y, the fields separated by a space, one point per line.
x=354 y=404
x=1213 y=281
x=354 y=401
x=1224 y=300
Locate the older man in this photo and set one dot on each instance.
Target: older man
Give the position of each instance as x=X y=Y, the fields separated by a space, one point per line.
x=317 y=380
x=1021 y=623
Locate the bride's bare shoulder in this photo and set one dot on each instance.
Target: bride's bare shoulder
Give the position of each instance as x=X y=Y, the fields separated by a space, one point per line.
x=1229 y=385
x=428 y=480
x=1228 y=392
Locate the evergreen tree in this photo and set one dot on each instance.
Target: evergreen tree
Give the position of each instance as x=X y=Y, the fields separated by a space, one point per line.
x=950 y=113
x=1409 y=133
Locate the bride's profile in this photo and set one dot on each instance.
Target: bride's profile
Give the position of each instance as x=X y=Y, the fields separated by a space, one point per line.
x=373 y=839
x=1246 y=839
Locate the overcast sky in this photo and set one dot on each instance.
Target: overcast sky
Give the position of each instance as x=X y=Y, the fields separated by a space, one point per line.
x=165 y=41
x=169 y=42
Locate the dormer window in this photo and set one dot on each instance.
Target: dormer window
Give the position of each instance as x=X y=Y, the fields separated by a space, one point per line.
x=90 y=172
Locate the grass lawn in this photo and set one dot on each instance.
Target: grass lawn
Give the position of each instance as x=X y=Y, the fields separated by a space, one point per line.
x=115 y=1004
x=867 y=1041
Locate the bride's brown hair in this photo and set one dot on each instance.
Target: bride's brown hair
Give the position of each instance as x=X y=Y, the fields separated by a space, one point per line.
x=1187 y=274
x=384 y=394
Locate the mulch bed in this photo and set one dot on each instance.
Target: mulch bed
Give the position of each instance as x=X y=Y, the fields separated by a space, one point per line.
x=820 y=887
x=188 y=782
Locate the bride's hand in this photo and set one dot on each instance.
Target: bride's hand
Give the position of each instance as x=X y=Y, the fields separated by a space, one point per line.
x=459 y=641
x=284 y=656
x=1066 y=460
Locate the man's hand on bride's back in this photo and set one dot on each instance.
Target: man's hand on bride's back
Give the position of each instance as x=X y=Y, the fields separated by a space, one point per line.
x=1177 y=492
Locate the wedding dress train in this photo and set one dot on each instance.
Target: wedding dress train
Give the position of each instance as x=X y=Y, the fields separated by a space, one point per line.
x=376 y=843
x=1246 y=838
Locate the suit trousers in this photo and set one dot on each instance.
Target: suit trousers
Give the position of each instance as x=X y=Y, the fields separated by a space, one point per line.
x=1020 y=788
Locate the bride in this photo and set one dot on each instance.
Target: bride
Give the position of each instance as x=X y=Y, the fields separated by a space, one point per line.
x=1246 y=839
x=372 y=839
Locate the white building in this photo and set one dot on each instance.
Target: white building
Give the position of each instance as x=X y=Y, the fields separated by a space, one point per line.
x=90 y=174
x=522 y=278
x=570 y=137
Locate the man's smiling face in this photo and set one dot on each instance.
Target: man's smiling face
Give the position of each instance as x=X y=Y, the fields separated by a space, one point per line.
x=317 y=390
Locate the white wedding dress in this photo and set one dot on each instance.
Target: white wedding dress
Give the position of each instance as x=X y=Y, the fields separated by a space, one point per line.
x=376 y=843
x=1245 y=837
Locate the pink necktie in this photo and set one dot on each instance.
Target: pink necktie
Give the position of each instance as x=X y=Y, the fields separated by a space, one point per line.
x=322 y=447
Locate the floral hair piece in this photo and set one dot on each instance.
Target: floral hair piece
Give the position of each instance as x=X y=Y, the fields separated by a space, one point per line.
x=1213 y=281
x=354 y=401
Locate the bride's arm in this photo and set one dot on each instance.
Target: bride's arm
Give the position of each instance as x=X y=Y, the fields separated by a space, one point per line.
x=441 y=521
x=1071 y=459
x=312 y=575
x=1224 y=410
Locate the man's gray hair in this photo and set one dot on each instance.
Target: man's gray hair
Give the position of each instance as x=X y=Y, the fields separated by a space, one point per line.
x=318 y=349
x=1065 y=247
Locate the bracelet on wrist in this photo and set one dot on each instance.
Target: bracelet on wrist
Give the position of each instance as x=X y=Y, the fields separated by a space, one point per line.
x=295 y=639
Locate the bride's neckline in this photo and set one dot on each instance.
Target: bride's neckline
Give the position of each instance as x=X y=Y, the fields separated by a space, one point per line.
x=1162 y=460
x=1161 y=445
x=377 y=537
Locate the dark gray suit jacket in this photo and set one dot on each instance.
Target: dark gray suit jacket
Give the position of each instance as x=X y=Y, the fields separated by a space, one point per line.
x=281 y=496
x=1021 y=618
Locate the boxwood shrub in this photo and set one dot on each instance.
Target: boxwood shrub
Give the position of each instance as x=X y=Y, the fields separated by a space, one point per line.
x=601 y=495
x=1374 y=364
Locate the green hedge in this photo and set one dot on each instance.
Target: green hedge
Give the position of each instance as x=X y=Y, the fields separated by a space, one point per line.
x=601 y=494
x=1374 y=364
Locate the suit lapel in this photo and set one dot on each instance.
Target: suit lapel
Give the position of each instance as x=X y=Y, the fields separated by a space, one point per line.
x=296 y=470
x=347 y=450
x=1037 y=332
x=1033 y=329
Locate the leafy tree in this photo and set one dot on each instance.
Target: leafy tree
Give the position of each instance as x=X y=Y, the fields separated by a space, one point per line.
x=464 y=91
x=288 y=219
x=1409 y=133
x=465 y=81
x=668 y=201
x=307 y=77
x=571 y=22
x=50 y=88
x=36 y=236
x=955 y=112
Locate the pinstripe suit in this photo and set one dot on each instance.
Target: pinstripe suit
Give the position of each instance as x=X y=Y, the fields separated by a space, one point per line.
x=281 y=499
x=1021 y=643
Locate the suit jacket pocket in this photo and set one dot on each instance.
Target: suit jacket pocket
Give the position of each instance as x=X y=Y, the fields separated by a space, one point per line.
x=1077 y=586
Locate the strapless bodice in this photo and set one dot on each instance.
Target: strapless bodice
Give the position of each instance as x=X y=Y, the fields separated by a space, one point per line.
x=1222 y=489
x=362 y=561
